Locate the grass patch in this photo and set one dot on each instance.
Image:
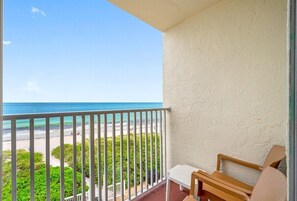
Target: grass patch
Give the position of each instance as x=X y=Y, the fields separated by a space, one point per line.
x=23 y=178
x=69 y=157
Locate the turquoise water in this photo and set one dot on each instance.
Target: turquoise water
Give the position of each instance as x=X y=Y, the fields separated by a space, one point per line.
x=34 y=108
x=29 y=108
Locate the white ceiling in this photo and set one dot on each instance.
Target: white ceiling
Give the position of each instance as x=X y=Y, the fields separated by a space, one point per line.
x=163 y=14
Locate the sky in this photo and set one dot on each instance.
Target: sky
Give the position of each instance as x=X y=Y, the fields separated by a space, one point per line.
x=79 y=51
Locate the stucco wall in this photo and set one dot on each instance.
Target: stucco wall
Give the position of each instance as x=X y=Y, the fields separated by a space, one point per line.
x=225 y=79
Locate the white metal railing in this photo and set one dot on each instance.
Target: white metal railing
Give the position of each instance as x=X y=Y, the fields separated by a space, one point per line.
x=146 y=125
x=79 y=197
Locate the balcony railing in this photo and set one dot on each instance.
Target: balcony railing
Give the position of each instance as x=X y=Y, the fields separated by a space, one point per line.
x=105 y=148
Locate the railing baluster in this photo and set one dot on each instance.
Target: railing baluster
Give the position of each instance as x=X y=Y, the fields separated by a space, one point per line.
x=165 y=145
x=83 y=156
x=128 y=156
x=121 y=158
x=13 y=160
x=99 y=158
x=140 y=151
x=92 y=159
x=134 y=150
x=47 y=160
x=151 y=148
x=74 y=159
x=32 y=159
x=114 y=157
x=156 y=146
x=62 y=193
x=105 y=158
x=161 y=146
x=146 y=151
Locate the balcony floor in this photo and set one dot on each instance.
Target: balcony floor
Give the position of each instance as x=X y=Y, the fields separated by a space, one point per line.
x=158 y=194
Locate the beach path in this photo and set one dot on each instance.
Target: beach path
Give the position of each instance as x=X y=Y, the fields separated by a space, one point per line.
x=39 y=146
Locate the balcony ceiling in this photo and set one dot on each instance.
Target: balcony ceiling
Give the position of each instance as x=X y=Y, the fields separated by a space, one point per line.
x=163 y=14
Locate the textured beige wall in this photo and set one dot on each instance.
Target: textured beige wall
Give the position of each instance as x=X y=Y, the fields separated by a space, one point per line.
x=225 y=79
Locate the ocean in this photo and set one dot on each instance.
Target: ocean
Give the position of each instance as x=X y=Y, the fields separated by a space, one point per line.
x=39 y=124
x=33 y=108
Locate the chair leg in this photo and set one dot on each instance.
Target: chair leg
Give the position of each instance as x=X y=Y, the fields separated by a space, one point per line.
x=167 y=189
x=181 y=188
x=196 y=191
x=200 y=187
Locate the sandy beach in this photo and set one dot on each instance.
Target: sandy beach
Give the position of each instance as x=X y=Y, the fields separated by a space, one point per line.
x=23 y=141
x=39 y=146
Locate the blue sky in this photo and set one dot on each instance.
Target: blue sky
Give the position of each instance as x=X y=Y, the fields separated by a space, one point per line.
x=70 y=51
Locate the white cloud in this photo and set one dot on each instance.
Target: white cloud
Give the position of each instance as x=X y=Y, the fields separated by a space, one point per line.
x=37 y=11
x=6 y=42
x=32 y=86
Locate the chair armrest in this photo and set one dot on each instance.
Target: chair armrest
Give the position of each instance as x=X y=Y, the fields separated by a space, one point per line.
x=204 y=178
x=237 y=161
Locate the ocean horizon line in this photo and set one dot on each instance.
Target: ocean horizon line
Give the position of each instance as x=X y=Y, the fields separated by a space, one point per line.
x=44 y=107
x=85 y=102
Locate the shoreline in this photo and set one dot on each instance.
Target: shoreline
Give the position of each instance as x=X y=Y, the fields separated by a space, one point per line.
x=23 y=142
x=24 y=134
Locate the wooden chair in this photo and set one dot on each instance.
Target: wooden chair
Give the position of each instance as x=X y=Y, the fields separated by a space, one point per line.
x=275 y=155
x=271 y=186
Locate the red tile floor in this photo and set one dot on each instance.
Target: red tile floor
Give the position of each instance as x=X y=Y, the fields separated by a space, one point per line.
x=158 y=194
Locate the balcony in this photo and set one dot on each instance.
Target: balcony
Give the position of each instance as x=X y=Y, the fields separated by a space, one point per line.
x=99 y=155
x=225 y=79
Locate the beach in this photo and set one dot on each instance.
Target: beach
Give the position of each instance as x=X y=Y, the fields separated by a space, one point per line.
x=23 y=141
x=39 y=146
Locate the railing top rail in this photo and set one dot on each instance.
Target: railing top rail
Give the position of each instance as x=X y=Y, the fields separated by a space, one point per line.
x=80 y=113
